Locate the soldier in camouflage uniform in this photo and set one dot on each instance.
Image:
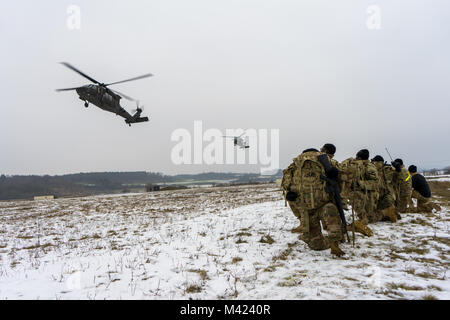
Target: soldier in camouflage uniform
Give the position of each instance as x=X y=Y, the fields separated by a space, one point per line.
x=360 y=188
x=402 y=185
x=307 y=191
x=386 y=200
x=330 y=150
x=289 y=172
x=286 y=184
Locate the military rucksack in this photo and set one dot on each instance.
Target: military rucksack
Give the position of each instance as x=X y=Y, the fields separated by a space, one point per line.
x=348 y=173
x=385 y=177
x=307 y=181
x=286 y=181
x=359 y=175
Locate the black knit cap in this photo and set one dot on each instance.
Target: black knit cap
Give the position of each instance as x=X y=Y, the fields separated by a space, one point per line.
x=412 y=168
x=378 y=158
x=363 y=154
x=399 y=161
x=309 y=150
x=329 y=148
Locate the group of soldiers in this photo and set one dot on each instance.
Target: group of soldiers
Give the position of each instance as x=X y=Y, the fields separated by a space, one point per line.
x=318 y=189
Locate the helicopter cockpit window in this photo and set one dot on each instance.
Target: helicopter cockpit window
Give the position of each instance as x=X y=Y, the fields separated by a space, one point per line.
x=107 y=98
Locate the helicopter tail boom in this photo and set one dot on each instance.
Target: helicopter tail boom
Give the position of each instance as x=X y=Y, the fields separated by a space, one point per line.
x=136 y=117
x=136 y=120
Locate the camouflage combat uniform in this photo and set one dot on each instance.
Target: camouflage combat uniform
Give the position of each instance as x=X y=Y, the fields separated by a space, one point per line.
x=315 y=204
x=360 y=188
x=385 y=187
x=286 y=184
x=403 y=189
x=423 y=204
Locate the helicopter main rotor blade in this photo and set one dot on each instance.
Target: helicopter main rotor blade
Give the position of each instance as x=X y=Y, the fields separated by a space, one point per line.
x=66 y=89
x=122 y=95
x=79 y=72
x=132 y=79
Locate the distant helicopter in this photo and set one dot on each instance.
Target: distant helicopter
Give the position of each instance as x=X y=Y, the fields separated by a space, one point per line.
x=238 y=141
x=105 y=98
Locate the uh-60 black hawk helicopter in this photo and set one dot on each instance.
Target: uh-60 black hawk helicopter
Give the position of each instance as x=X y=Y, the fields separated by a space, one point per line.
x=105 y=98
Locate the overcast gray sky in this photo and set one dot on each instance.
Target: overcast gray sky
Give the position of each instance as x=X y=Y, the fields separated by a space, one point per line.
x=312 y=69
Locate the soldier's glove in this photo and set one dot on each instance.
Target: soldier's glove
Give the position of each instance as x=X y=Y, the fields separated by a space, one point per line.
x=291 y=196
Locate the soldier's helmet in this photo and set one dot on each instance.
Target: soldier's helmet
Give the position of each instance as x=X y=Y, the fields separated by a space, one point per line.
x=310 y=150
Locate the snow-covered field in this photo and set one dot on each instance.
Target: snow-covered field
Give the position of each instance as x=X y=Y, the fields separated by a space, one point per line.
x=208 y=243
x=438 y=178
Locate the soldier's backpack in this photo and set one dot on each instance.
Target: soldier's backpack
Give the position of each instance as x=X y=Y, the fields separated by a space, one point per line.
x=307 y=182
x=358 y=175
x=349 y=171
x=286 y=181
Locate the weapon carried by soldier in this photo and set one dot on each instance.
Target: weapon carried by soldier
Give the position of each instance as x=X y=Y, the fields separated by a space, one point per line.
x=389 y=154
x=331 y=175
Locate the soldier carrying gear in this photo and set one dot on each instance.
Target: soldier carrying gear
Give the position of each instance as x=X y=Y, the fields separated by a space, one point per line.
x=286 y=184
x=315 y=203
x=385 y=204
x=360 y=179
x=402 y=185
x=330 y=150
x=289 y=188
x=331 y=178
x=366 y=188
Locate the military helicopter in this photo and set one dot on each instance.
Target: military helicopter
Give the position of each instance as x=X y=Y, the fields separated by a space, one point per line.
x=105 y=98
x=239 y=141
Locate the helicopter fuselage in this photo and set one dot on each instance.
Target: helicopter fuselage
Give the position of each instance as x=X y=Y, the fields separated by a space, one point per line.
x=100 y=97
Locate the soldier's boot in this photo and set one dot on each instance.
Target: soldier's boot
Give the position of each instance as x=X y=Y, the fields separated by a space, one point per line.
x=436 y=207
x=428 y=208
x=360 y=227
x=399 y=217
x=297 y=229
x=335 y=250
x=345 y=206
x=390 y=213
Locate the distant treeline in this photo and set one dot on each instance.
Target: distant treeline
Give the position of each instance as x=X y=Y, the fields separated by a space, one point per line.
x=83 y=184
x=431 y=172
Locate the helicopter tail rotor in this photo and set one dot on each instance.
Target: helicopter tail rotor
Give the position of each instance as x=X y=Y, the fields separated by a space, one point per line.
x=139 y=108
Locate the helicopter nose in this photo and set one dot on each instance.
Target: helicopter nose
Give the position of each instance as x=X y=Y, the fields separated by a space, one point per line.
x=83 y=91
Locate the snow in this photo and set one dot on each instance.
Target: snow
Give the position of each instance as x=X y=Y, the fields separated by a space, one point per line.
x=207 y=244
x=438 y=178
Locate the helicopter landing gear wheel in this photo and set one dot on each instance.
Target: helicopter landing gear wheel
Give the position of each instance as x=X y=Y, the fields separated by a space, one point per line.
x=86 y=104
